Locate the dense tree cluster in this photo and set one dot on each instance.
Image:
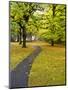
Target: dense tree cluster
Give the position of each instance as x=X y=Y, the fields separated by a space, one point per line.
x=55 y=24
x=45 y=21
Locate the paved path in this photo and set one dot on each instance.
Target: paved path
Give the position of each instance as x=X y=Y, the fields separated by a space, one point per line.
x=19 y=76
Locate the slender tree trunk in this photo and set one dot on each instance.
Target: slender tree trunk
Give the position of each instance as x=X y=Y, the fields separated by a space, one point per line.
x=52 y=42
x=24 y=37
x=31 y=37
x=20 y=37
x=54 y=7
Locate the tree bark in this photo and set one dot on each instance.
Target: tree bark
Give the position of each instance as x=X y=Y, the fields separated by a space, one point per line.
x=54 y=7
x=31 y=37
x=20 y=37
x=24 y=37
x=52 y=42
x=26 y=18
x=17 y=37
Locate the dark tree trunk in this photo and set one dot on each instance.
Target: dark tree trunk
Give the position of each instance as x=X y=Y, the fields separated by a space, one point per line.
x=26 y=18
x=52 y=42
x=54 y=7
x=24 y=37
x=20 y=33
x=20 y=37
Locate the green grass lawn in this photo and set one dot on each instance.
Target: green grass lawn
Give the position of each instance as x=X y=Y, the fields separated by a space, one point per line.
x=17 y=54
x=48 y=67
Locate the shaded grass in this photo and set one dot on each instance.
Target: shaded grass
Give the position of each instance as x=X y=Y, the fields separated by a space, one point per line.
x=17 y=54
x=49 y=67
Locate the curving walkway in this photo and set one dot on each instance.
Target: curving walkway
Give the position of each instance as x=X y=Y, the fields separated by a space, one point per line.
x=19 y=76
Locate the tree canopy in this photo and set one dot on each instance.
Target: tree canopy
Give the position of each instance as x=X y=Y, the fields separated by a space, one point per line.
x=46 y=21
x=55 y=23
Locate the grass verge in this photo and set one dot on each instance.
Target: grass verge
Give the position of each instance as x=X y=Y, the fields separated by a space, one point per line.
x=17 y=54
x=49 y=67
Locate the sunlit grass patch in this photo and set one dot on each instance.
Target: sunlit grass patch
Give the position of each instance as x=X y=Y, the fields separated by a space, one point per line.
x=49 y=67
x=17 y=54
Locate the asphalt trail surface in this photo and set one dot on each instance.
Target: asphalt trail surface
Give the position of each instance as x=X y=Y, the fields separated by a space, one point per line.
x=19 y=76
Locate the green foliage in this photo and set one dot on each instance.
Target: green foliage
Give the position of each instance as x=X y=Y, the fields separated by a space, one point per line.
x=47 y=21
x=54 y=24
x=20 y=14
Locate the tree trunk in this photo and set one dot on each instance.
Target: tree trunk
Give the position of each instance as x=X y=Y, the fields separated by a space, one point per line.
x=24 y=37
x=52 y=42
x=17 y=37
x=20 y=37
x=54 y=7
x=31 y=37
